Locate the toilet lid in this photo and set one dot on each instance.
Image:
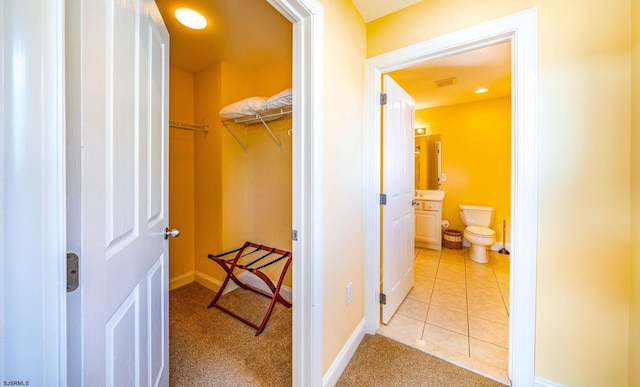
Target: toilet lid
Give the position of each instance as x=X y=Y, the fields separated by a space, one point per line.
x=481 y=231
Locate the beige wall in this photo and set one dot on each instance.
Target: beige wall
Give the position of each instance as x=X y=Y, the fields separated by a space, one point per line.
x=181 y=205
x=476 y=156
x=634 y=321
x=582 y=311
x=344 y=50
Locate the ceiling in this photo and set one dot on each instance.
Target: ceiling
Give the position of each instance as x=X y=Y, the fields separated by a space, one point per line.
x=246 y=33
x=488 y=67
x=373 y=9
x=249 y=33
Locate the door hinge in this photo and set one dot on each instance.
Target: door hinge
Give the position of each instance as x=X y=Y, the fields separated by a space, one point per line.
x=383 y=199
x=383 y=299
x=294 y=235
x=383 y=99
x=72 y=272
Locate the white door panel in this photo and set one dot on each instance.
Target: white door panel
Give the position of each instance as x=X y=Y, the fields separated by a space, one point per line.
x=398 y=185
x=123 y=56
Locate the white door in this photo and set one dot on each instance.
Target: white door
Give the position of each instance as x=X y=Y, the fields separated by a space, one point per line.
x=123 y=55
x=398 y=181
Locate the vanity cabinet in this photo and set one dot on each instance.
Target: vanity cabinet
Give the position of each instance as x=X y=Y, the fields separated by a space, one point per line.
x=428 y=224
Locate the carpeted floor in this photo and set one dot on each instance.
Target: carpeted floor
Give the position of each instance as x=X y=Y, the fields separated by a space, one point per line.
x=380 y=361
x=211 y=348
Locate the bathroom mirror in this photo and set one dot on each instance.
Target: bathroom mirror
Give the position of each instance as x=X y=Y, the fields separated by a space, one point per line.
x=428 y=159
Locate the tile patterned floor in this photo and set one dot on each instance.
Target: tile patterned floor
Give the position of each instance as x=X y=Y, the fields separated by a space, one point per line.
x=457 y=310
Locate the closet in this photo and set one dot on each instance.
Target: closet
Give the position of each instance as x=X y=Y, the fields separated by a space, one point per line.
x=230 y=170
x=240 y=164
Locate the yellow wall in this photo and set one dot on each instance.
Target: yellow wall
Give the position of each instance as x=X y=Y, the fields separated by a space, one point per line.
x=208 y=170
x=344 y=50
x=582 y=310
x=181 y=174
x=634 y=321
x=268 y=180
x=241 y=196
x=234 y=164
x=476 y=156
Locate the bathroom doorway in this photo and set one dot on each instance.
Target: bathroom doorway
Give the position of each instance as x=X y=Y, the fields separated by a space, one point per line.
x=521 y=30
x=458 y=309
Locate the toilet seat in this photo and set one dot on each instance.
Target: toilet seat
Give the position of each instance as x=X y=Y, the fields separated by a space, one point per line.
x=481 y=232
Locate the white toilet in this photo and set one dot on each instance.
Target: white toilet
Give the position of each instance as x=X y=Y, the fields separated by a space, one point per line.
x=477 y=220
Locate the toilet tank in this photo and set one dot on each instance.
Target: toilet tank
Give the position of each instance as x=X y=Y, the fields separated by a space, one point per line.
x=477 y=215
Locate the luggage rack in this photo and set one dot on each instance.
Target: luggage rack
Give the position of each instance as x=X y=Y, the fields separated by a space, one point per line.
x=272 y=256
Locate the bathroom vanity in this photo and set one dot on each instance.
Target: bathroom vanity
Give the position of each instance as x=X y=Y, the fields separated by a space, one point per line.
x=428 y=213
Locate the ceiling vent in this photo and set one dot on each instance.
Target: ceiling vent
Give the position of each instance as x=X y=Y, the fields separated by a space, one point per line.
x=446 y=82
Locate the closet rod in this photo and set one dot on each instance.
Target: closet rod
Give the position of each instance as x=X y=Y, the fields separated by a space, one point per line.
x=187 y=126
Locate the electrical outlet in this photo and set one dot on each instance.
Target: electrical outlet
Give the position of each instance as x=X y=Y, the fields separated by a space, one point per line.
x=349 y=292
x=443 y=176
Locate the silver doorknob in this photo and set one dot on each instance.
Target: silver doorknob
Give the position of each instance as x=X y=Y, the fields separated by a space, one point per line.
x=173 y=233
x=415 y=202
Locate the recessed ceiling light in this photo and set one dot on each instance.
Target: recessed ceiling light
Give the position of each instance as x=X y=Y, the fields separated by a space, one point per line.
x=481 y=90
x=190 y=18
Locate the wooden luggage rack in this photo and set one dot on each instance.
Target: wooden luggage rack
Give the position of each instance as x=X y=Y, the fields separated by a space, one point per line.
x=258 y=262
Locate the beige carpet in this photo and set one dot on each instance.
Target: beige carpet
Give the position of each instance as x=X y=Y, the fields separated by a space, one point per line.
x=211 y=348
x=380 y=361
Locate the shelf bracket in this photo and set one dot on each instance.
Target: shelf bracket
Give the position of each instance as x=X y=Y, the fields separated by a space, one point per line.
x=254 y=120
x=235 y=136
x=273 y=136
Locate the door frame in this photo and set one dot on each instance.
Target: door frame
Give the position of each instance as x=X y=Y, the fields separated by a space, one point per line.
x=307 y=289
x=522 y=30
x=42 y=35
x=32 y=192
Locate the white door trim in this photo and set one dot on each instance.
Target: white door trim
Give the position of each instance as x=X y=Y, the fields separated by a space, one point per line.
x=522 y=29
x=307 y=267
x=32 y=193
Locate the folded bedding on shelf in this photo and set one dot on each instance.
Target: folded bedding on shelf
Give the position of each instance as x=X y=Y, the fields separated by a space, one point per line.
x=256 y=105
x=280 y=100
x=246 y=107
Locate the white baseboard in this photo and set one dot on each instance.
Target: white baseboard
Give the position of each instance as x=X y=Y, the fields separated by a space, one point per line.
x=215 y=284
x=344 y=357
x=540 y=382
x=181 y=280
x=498 y=245
x=494 y=247
x=256 y=282
x=212 y=283
x=430 y=246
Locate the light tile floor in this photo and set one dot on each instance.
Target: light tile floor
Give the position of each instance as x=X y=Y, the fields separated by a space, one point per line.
x=458 y=310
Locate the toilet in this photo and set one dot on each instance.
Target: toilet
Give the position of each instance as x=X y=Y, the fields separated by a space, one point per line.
x=478 y=220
